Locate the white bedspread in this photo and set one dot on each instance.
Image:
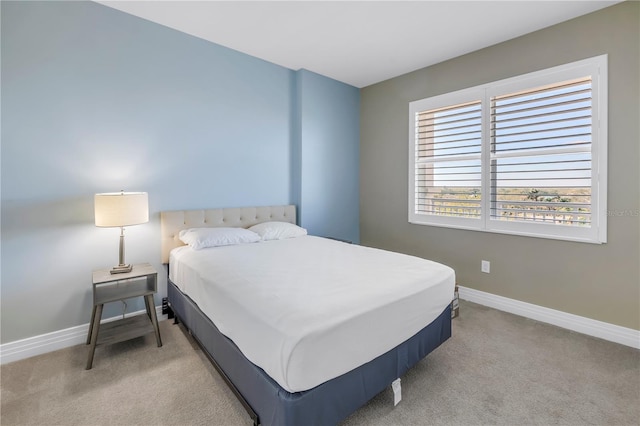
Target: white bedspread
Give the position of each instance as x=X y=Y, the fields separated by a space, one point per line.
x=309 y=309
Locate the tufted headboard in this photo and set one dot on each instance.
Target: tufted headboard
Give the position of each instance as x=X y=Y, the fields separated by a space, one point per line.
x=172 y=222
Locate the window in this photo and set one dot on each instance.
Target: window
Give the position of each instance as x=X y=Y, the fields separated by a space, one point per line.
x=524 y=156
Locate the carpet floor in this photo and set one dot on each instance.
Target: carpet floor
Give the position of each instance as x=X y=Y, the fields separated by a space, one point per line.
x=497 y=369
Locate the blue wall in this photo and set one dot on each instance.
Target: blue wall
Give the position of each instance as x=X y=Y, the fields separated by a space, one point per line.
x=328 y=188
x=95 y=100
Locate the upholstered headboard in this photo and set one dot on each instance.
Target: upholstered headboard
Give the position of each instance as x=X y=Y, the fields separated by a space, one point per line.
x=172 y=222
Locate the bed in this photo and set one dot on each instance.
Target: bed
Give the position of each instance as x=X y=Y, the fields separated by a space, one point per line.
x=304 y=330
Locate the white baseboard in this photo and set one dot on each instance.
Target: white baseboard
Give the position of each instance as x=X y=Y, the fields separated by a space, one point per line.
x=32 y=346
x=613 y=333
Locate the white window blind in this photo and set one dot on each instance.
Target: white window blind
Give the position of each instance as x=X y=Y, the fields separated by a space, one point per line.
x=525 y=155
x=448 y=147
x=541 y=154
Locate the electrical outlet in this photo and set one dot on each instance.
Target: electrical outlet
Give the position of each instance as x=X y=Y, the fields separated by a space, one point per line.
x=486 y=266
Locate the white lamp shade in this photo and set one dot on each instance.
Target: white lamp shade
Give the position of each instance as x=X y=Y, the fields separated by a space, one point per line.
x=121 y=208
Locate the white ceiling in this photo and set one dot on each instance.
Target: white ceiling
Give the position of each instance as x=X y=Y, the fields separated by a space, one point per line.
x=357 y=42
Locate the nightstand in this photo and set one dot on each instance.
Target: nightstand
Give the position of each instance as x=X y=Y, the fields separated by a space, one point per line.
x=142 y=281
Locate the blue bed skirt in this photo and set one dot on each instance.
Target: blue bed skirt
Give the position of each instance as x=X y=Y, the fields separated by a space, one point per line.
x=326 y=404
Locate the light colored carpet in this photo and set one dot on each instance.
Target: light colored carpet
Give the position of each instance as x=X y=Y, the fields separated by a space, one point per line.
x=497 y=368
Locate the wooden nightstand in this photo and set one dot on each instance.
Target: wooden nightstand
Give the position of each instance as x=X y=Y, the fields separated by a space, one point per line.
x=142 y=281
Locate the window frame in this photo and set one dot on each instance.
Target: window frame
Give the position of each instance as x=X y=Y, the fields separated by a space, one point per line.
x=596 y=67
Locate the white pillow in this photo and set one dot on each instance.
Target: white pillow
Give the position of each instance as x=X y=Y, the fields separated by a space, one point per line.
x=199 y=238
x=277 y=230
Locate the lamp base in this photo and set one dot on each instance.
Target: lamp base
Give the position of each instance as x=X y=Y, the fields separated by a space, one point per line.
x=121 y=269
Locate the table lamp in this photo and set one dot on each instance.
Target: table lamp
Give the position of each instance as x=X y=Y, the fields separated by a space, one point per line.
x=120 y=209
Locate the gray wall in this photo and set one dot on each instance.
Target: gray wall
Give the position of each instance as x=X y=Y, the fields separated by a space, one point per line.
x=601 y=282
